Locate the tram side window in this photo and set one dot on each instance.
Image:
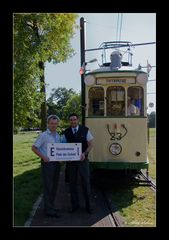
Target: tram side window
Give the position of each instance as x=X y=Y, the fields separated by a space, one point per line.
x=135 y=101
x=115 y=101
x=96 y=101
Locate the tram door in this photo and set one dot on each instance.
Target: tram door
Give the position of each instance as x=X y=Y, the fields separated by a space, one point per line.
x=116 y=116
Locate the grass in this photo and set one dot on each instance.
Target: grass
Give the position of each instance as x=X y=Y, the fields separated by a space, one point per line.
x=27 y=177
x=152 y=132
x=137 y=205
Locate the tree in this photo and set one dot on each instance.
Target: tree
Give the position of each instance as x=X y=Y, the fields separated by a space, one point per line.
x=73 y=106
x=58 y=100
x=152 y=119
x=38 y=38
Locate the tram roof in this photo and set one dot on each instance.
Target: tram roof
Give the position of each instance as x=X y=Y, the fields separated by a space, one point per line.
x=123 y=69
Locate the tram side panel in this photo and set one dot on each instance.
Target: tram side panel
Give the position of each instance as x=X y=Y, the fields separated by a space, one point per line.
x=133 y=142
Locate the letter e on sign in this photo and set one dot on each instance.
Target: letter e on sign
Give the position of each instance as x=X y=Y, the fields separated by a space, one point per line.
x=52 y=151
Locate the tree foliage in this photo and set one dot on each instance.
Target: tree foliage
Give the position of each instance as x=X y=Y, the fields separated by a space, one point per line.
x=38 y=38
x=73 y=106
x=152 y=119
x=58 y=100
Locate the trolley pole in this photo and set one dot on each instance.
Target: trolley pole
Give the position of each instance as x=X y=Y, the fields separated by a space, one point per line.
x=82 y=50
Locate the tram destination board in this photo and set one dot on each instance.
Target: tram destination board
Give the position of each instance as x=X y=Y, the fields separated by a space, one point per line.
x=64 y=151
x=101 y=81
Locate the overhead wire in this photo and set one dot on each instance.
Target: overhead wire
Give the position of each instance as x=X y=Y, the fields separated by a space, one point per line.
x=119 y=26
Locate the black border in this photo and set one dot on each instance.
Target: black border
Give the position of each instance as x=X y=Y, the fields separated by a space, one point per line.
x=7 y=110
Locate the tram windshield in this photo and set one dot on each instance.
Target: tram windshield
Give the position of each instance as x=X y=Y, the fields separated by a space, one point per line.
x=115 y=101
x=96 y=101
x=135 y=101
x=115 y=97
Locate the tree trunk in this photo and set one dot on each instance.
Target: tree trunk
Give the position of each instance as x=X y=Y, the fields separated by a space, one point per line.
x=43 y=105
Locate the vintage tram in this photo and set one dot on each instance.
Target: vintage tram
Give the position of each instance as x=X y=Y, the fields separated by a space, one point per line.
x=116 y=111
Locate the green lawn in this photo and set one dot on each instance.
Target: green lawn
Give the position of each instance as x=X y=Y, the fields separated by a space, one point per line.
x=27 y=178
x=138 y=204
x=152 y=132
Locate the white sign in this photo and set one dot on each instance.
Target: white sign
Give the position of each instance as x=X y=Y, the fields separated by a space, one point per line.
x=115 y=80
x=64 y=151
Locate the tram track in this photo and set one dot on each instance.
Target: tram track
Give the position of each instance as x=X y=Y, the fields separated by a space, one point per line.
x=102 y=184
x=143 y=180
x=116 y=219
x=150 y=182
x=105 y=181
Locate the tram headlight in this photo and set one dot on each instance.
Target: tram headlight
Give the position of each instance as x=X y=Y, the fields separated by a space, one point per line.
x=142 y=78
x=115 y=148
x=89 y=80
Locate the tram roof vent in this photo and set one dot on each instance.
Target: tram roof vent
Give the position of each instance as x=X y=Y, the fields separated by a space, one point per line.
x=115 y=58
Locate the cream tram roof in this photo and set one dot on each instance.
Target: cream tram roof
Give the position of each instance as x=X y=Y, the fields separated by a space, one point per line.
x=116 y=68
x=123 y=72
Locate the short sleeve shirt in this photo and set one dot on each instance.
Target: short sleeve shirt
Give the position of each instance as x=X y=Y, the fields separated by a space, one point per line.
x=45 y=138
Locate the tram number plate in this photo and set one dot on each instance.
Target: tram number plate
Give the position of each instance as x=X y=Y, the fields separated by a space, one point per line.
x=64 y=151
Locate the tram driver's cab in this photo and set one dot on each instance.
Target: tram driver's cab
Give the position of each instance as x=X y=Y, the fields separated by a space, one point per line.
x=115 y=101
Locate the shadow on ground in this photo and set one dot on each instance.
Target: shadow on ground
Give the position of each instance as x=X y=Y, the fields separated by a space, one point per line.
x=101 y=216
x=27 y=187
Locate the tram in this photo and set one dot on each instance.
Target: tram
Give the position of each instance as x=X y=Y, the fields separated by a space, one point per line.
x=116 y=113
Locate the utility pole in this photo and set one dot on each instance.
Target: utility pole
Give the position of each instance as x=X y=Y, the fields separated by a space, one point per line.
x=82 y=50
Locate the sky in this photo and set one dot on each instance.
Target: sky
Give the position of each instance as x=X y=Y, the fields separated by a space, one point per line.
x=102 y=27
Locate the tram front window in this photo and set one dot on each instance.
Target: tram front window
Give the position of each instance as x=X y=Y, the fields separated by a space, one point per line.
x=96 y=101
x=115 y=101
x=135 y=101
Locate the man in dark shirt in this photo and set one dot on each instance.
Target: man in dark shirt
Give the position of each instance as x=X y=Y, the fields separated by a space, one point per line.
x=80 y=134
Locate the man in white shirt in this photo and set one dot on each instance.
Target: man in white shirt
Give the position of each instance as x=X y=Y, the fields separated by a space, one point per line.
x=50 y=170
x=131 y=108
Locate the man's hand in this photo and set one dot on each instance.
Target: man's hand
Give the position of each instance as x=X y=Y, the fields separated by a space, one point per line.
x=38 y=153
x=46 y=159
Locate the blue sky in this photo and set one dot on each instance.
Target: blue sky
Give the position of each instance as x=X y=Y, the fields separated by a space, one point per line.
x=101 y=27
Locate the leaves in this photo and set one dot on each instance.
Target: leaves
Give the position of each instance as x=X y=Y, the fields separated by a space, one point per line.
x=73 y=106
x=38 y=37
x=58 y=100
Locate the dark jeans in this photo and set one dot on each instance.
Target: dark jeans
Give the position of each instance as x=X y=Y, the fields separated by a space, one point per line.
x=66 y=173
x=50 y=177
x=83 y=168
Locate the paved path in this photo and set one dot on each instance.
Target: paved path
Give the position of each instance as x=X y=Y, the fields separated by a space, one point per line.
x=100 y=217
